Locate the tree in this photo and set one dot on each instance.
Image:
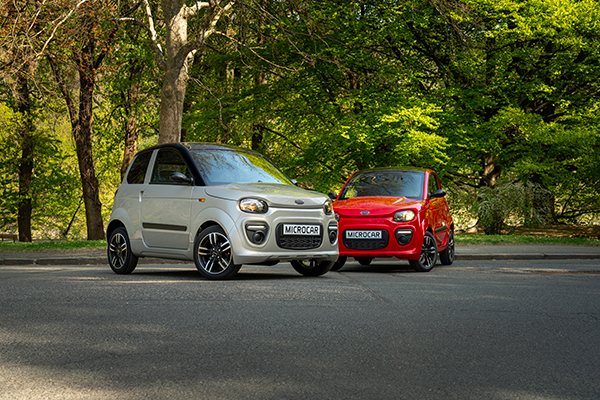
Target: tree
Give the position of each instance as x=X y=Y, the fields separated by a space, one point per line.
x=179 y=48
x=86 y=44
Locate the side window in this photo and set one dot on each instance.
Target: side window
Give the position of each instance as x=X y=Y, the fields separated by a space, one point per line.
x=167 y=162
x=433 y=186
x=137 y=172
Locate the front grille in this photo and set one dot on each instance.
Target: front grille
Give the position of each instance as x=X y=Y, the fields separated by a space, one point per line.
x=298 y=242
x=366 y=244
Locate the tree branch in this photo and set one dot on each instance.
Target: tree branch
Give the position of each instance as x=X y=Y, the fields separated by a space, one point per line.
x=57 y=26
x=195 y=9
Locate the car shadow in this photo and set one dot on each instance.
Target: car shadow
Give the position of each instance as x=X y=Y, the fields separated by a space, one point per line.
x=261 y=274
x=398 y=266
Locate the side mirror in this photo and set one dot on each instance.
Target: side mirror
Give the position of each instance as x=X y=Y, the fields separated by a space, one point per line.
x=332 y=195
x=181 y=179
x=437 y=193
x=295 y=182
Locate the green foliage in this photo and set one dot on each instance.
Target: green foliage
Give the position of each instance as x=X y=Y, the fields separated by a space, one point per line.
x=501 y=98
x=520 y=204
x=55 y=182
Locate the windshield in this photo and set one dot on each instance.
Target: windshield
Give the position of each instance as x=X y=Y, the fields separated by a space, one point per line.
x=385 y=183
x=221 y=167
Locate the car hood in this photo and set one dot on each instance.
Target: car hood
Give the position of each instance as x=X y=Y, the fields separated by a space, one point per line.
x=277 y=195
x=376 y=206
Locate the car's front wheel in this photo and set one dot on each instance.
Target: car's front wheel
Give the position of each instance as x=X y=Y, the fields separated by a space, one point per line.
x=447 y=256
x=429 y=254
x=339 y=263
x=312 y=267
x=213 y=254
x=120 y=257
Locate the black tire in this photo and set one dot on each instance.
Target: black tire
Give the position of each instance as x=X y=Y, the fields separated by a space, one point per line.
x=447 y=256
x=364 y=260
x=429 y=254
x=213 y=255
x=120 y=257
x=339 y=263
x=312 y=267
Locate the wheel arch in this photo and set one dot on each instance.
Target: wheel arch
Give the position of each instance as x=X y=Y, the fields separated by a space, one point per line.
x=210 y=217
x=112 y=225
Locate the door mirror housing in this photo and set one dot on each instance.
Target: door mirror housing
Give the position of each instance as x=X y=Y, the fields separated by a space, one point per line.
x=437 y=193
x=181 y=179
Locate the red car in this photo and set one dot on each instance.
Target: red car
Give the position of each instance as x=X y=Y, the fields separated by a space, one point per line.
x=394 y=212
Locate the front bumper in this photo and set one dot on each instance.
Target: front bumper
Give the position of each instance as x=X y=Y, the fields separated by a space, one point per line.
x=258 y=238
x=400 y=240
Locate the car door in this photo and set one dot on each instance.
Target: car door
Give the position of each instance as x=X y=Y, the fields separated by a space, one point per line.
x=439 y=209
x=165 y=208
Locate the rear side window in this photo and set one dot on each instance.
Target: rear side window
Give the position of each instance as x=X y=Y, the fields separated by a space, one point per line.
x=137 y=172
x=167 y=162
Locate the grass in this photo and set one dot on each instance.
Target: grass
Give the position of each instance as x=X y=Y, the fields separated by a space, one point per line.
x=60 y=245
x=524 y=239
x=53 y=245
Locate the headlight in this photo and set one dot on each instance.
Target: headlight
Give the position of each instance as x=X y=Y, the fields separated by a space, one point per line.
x=404 y=216
x=255 y=206
x=327 y=207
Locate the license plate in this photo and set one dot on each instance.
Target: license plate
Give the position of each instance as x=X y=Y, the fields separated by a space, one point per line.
x=297 y=229
x=363 y=234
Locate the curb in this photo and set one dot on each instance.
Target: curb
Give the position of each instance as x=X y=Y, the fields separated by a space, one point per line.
x=476 y=257
x=81 y=261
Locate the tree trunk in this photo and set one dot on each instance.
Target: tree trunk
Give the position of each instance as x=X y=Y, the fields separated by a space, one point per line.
x=132 y=129
x=83 y=142
x=490 y=170
x=176 y=75
x=81 y=129
x=494 y=221
x=26 y=165
x=171 y=104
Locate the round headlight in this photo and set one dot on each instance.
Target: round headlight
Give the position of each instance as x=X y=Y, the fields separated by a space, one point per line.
x=404 y=216
x=327 y=207
x=255 y=206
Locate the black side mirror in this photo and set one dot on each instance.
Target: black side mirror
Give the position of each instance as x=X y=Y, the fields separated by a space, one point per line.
x=181 y=179
x=437 y=193
x=332 y=195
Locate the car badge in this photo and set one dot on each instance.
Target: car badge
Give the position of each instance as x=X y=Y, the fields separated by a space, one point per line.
x=365 y=212
x=298 y=201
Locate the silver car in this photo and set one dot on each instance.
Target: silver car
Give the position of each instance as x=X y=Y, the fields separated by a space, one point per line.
x=220 y=206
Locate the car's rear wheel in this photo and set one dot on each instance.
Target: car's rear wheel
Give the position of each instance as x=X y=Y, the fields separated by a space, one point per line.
x=447 y=256
x=429 y=254
x=312 y=267
x=213 y=254
x=120 y=257
x=364 y=260
x=339 y=263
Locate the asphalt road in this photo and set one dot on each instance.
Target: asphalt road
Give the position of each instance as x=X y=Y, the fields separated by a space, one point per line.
x=473 y=330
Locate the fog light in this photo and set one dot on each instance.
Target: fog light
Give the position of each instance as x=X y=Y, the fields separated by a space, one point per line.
x=403 y=236
x=332 y=231
x=257 y=232
x=258 y=237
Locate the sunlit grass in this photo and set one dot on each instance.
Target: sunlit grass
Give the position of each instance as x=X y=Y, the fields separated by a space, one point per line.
x=53 y=245
x=524 y=239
